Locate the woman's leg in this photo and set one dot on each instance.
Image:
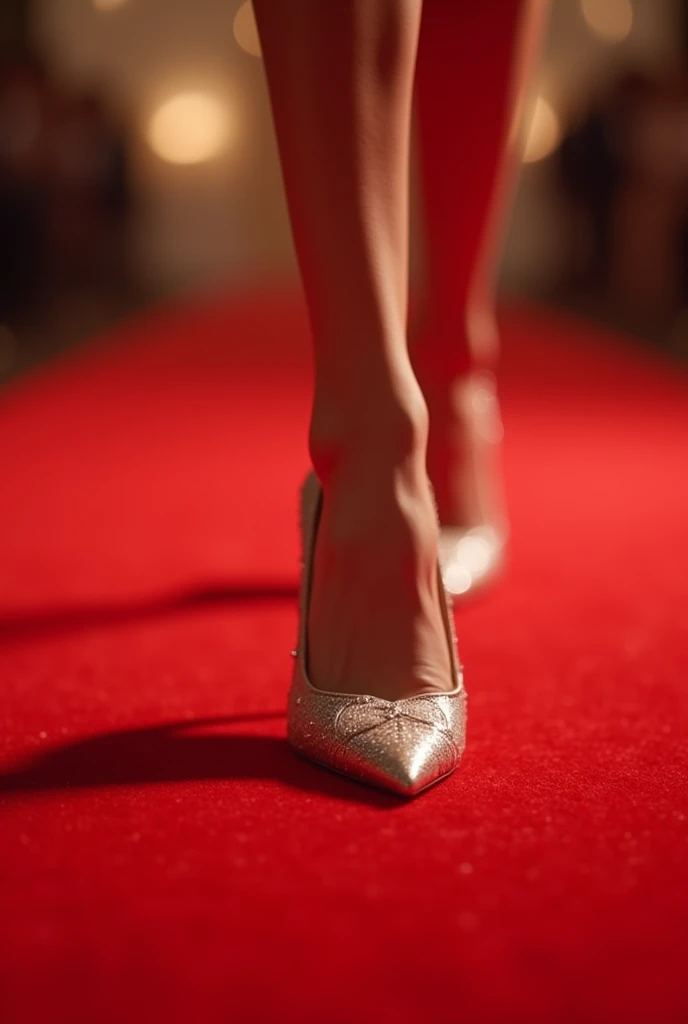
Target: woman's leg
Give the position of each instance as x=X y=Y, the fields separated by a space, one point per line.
x=340 y=76
x=474 y=60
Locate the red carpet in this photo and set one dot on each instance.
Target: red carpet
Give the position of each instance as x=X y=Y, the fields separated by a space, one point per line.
x=163 y=856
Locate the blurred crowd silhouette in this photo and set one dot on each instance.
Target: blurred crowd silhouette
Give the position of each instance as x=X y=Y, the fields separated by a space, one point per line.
x=624 y=171
x=65 y=197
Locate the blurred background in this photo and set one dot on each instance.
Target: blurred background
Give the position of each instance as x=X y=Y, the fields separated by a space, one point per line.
x=137 y=161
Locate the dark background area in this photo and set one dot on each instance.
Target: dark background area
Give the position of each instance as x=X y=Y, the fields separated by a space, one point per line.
x=98 y=219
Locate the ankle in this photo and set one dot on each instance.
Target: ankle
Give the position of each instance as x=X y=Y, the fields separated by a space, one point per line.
x=383 y=427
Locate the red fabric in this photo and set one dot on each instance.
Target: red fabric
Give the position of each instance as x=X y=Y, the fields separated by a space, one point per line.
x=164 y=856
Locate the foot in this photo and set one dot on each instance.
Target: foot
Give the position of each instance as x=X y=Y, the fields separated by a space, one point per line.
x=375 y=622
x=465 y=425
x=464 y=452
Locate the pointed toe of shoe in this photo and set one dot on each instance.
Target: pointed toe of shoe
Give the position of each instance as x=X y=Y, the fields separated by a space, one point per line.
x=405 y=777
x=400 y=746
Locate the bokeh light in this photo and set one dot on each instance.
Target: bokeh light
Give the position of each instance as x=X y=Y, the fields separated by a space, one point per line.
x=610 y=20
x=246 y=30
x=189 y=128
x=108 y=5
x=543 y=133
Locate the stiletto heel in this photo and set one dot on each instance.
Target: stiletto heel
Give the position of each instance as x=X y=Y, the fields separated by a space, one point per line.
x=401 y=745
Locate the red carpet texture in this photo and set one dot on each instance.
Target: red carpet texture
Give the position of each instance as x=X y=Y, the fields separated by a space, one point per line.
x=165 y=857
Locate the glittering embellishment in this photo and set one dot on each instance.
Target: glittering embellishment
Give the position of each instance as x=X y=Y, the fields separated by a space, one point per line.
x=351 y=722
x=401 y=745
x=294 y=653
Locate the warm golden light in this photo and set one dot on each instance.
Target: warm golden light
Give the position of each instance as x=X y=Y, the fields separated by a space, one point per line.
x=188 y=128
x=458 y=579
x=543 y=134
x=246 y=30
x=108 y=5
x=611 y=20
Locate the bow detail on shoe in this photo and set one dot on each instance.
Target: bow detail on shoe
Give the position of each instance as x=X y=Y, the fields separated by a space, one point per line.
x=363 y=714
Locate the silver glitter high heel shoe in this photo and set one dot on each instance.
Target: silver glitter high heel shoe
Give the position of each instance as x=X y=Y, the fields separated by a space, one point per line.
x=401 y=745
